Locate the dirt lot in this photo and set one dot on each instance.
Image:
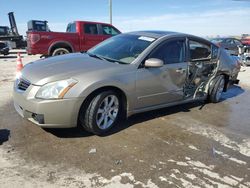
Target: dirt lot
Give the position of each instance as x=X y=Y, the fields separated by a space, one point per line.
x=195 y=145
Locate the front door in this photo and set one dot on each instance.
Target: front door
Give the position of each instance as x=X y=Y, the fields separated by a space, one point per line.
x=156 y=86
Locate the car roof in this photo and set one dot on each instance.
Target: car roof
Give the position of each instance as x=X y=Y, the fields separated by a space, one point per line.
x=154 y=34
x=158 y=34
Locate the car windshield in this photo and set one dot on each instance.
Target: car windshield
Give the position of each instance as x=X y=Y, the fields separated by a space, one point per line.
x=123 y=48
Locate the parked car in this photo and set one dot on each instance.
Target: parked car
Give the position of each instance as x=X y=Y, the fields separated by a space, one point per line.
x=244 y=55
x=4 y=49
x=79 y=36
x=230 y=44
x=246 y=41
x=124 y=75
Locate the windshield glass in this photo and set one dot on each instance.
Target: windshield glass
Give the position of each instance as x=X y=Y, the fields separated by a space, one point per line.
x=123 y=48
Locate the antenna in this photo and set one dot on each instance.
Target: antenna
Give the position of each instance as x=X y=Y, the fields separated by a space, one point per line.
x=110 y=11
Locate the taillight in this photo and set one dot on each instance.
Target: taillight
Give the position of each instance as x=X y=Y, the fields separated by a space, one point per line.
x=34 y=38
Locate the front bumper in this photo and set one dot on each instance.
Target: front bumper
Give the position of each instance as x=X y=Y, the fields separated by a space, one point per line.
x=62 y=113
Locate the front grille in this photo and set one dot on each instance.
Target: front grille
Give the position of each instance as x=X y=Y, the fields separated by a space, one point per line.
x=22 y=84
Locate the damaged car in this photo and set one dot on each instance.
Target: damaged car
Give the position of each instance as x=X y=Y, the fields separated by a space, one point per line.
x=124 y=75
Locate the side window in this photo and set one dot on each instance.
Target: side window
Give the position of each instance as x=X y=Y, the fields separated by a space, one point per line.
x=90 y=29
x=2 y=31
x=71 y=28
x=170 y=52
x=215 y=52
x=199 y=51
x=108 y=30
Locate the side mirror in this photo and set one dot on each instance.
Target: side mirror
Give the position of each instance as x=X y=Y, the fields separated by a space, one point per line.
x=153 y=63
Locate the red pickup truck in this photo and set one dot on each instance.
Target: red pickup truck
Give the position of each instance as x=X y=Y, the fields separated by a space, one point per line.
x=79 y=36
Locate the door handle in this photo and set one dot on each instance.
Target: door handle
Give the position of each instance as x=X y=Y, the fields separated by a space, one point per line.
x=181 y=70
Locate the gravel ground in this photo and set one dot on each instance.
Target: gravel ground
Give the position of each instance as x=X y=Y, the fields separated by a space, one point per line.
x=193 y=145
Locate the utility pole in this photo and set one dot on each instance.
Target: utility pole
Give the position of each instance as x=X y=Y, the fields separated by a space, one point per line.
x=110 y=11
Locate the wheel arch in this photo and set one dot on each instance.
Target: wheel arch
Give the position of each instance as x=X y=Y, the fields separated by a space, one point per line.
x=122 y=96
x=60 y=44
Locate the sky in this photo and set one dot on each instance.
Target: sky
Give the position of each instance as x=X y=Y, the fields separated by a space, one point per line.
x=198 y=17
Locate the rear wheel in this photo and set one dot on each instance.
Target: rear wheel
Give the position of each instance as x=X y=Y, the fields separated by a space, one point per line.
x=101 y=113
x=60 y=51
x=217 y=89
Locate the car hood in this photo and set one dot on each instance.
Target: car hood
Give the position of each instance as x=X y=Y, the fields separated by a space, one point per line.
x=63 y=67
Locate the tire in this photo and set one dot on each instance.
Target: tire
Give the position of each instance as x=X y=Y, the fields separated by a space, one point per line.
x=101 y=113
x=60 y=51
x=217 y=89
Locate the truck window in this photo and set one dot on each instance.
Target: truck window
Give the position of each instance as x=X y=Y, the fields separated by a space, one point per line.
x=109 y=30
x=90 y=29
x=3 y=30
x=71 y=28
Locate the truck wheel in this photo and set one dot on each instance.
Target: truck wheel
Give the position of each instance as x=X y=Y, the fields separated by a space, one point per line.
x=217 y=89
x=101 y=113
x=60 y=51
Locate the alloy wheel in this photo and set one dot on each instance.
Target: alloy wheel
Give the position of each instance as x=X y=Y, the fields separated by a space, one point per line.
x=107 y=112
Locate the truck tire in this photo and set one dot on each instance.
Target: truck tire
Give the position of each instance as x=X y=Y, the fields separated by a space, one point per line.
x=217 y=89
x=60 y=51
x=101 y=113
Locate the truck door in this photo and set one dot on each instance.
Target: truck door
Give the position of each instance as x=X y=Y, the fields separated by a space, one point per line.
x=90 y=36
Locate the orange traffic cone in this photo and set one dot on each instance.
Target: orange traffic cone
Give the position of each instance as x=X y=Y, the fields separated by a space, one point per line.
x=19 y=65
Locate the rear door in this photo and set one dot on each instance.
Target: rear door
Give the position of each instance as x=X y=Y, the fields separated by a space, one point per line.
x=202 y=64
x=156 y=86
x=91 y=36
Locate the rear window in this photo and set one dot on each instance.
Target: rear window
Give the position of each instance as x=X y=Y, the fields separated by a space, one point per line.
x=71 y=28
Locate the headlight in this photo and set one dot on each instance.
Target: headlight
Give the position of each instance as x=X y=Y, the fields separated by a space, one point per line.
x=55 y=90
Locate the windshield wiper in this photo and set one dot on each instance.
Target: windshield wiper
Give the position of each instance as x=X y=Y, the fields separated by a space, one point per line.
x=114 y=60
x=95 y=56
x=106 y=58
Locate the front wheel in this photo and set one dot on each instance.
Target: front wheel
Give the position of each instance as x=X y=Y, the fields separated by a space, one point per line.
x=217 y=89
x=102 y=113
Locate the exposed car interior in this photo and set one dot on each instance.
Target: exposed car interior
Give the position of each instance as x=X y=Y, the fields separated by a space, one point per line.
x=201 y=67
